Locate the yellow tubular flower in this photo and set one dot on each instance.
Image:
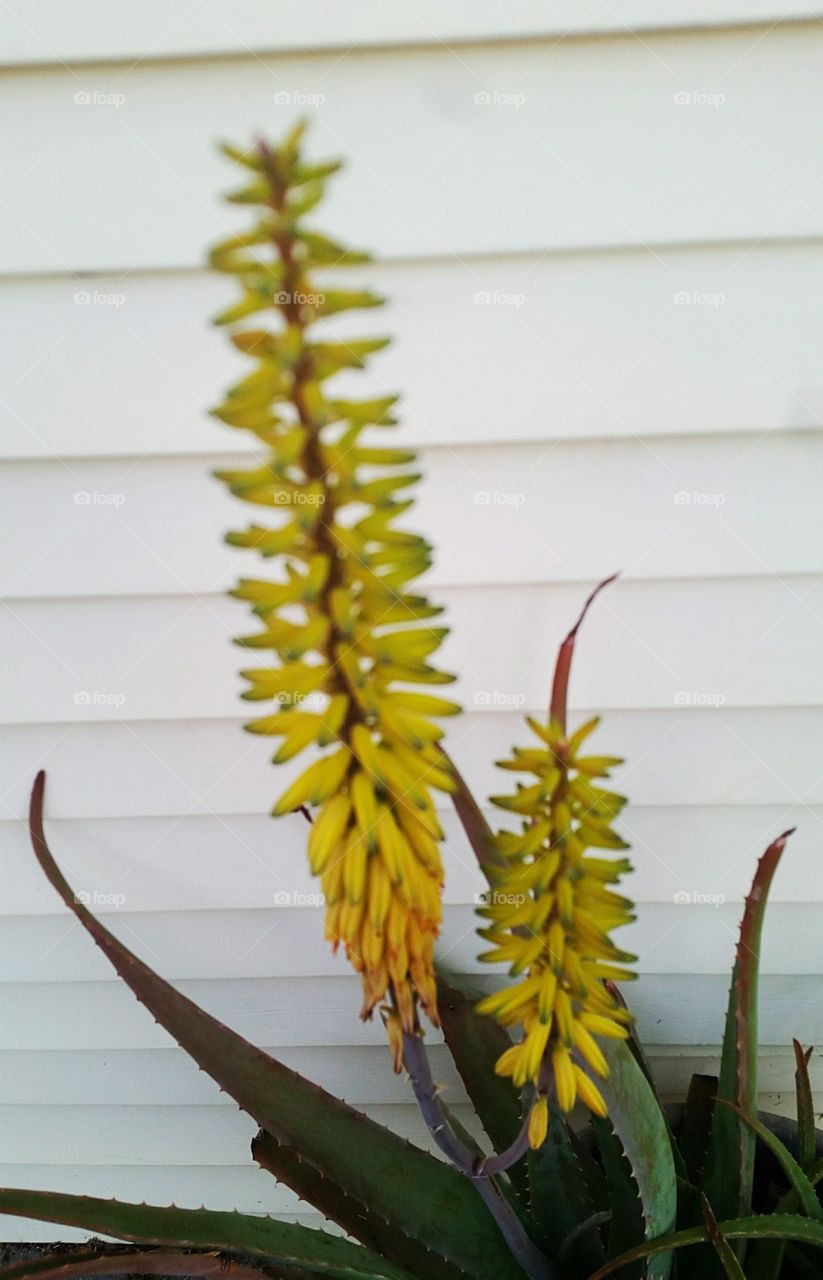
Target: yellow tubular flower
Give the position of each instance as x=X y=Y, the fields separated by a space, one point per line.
x=351 y=642
x=549 y=915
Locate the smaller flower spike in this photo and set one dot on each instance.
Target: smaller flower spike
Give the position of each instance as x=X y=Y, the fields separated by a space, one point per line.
x=550 y=911
x=351 y=643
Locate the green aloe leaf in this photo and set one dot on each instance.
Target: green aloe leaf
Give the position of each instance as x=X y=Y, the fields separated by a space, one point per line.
x=475 y=1043
x=261 y=1237
x=370 y=1229
x=640 y=1124
x=773 y=1226
x=799 y=1183
x=730 y=1158
x=627 y=1226
x=426 y=1197
x=561 y=1201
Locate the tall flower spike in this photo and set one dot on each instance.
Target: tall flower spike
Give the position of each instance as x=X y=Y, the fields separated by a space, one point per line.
x=550 y=912
x=347 y=635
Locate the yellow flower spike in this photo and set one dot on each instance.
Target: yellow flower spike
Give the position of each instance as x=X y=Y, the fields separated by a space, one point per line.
x=342 y=621
x=549 y=916
x=564 y=1077
x=538 y=1122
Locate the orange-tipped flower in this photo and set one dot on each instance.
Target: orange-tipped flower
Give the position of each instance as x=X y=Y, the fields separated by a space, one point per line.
x=344 y=629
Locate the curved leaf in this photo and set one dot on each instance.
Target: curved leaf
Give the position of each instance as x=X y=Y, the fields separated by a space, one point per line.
x=428 y=1198
x=772 y=1226
x=370 y=1229
x=730 y=1158
x=561 y=1201
x=278 y=1242
x=806 y=1136
x=477 y=829
x=800 y=1184
x=640 y=1124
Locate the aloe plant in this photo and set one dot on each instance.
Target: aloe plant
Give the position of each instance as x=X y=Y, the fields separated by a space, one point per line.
x=709 y=1189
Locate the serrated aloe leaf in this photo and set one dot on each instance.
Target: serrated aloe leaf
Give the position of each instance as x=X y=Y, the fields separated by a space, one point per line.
x=725 y=1253
x=766 y=1258
x=157 y=1262
x=799 y=1183
x=370 y=1229
x=640 y=1124
x=773 y=1226
x=806 y=1136
x=560 y=1201
x=627 y=1225
x=730 y=1157
x=475 y=1043
x=275 y=1242
x=394 y=1178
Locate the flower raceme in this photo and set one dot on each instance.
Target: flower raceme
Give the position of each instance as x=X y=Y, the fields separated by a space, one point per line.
x=550 y=911
x=351 y=641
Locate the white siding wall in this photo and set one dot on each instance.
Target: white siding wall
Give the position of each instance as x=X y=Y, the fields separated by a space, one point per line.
x=599 y=199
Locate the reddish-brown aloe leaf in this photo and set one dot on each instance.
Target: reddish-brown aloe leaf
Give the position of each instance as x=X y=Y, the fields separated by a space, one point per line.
x=730 y=1157
x=428 y=1199
x=145 y=1262
x=477 y=829
x=806 y=1136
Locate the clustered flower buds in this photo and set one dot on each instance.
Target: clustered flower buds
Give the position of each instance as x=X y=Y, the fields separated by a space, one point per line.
x=550 y=912
x=350 y=640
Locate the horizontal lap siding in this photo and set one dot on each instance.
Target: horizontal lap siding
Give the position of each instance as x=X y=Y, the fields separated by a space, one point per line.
x=599 y=152
x=610 y=358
